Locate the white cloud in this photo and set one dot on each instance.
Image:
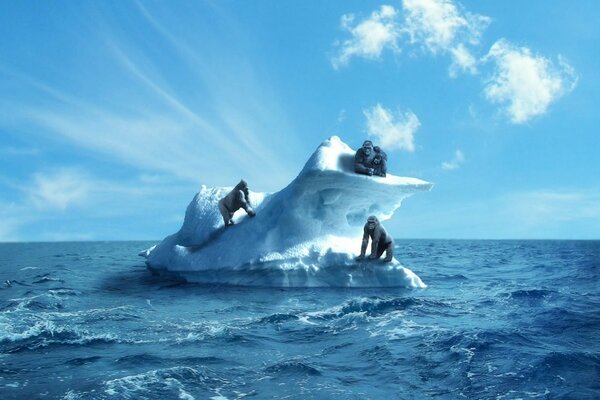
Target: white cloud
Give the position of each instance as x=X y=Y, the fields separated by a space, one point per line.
x=455 y=163
x=369 y=36
x=393 y=132
x=462 y=61
x=60 y=189
x=439 y=26
x=524 y=83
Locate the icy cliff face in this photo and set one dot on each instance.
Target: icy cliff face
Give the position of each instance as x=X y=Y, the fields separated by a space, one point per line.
x=304 y=235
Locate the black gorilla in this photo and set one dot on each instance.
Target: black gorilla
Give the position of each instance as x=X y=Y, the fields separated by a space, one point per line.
x=363 y=158
x=379 y=162
x=380 y=241
x=379 y=167
x=238 y=198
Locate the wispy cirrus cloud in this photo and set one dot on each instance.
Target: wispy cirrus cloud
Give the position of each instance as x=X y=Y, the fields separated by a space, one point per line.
x=19 y=151
x=59 y=189
x=393 y=130
x=183 y=120
x=553 y=212
x=71 y=203
x=12 y=220
x=526 y=84
x=455 y=163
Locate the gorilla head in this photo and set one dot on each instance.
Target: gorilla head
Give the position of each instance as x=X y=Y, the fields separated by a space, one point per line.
x=377 y=160
x=243 y=186
x=367 y=147
x=372 y=222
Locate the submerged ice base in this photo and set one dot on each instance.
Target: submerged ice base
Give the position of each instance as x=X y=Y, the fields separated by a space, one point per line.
x=307 y=234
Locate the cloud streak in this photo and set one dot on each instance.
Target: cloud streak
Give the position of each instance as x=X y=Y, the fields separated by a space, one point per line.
x=162 y=122
x=60 y=189
x=70 y=203
x=542 y=207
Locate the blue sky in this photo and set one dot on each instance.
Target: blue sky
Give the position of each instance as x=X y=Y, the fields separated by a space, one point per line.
x=112 y=114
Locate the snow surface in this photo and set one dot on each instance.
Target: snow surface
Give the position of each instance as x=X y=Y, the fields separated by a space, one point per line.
x=307 y=234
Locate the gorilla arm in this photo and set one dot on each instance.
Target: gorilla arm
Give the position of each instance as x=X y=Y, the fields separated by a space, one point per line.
x=375 y=237
x=365 y=243
x=245 y=203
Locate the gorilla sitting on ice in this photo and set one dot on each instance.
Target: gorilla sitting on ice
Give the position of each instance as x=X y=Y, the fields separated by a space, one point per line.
x=370 y=160
x=381 y=241
x=379 y=167
x=238 y=198
x=363 y=158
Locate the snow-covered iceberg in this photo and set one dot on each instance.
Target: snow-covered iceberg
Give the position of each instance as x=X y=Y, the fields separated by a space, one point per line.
x=307 y=234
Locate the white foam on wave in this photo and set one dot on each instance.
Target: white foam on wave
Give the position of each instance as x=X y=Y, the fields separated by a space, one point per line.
x=33 y=329
x=165 y=381
x=47 y=332
x=307 y=234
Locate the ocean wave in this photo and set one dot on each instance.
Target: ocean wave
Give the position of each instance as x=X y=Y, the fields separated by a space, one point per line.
x=171 y=383
x=394 y=328
x=380 y=316
x=572 y=362
x=40 y=302
x=374 y=307
x=530 y=294
x=82 y=360
x=278 y=318
x=561 y=319
x=146 y=358
x=43 y=333
x=44 y=278
x=154 y=382
x=22 y=328
x=10 y=282
x=292 y=367
x=189 y=332
x=461 y=346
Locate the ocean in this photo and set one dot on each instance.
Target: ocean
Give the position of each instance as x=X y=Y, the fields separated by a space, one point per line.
x=498 y=320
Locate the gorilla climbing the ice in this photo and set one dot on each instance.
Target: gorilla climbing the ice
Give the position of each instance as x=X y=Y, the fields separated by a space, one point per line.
x=238 y=198
x=381 y=241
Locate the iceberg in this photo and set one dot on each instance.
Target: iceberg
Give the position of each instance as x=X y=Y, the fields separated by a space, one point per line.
x=305 y=235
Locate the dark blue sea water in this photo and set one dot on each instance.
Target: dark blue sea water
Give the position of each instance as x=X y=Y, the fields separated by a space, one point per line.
x=499 y=320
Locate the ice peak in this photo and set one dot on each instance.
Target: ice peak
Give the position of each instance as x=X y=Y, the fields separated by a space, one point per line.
x=332 y=154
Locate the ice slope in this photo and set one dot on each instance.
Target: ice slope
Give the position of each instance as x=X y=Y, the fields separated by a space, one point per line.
x=307 y=234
